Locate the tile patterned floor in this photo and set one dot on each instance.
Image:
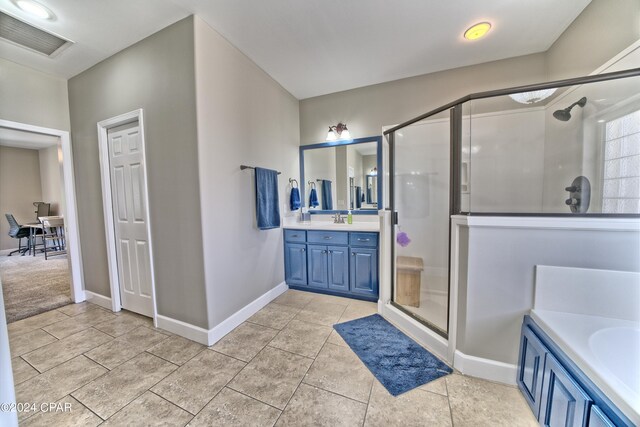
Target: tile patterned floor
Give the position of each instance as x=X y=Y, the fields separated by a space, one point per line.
x=285 y=366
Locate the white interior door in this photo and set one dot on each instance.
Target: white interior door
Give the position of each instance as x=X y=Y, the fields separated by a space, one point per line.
x=129 y=193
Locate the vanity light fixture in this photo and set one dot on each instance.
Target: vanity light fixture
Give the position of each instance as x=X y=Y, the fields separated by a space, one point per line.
x=338 y=131
x=34 y=8
x=533 y=96
x=477 y=31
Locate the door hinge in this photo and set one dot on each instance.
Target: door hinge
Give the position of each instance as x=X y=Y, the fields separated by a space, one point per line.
x=394 y=218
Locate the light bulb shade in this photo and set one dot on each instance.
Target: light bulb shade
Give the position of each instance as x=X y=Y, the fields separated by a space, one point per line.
x=533 y=96
x=345 y=134
x=331 y=135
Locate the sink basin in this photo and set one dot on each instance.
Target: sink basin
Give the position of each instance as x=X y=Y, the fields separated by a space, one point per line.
x=618 y=349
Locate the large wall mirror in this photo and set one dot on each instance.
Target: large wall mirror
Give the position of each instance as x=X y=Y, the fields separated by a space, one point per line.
x=342 y=175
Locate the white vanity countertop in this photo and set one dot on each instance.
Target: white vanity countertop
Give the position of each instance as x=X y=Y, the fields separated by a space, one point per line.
x=330 y=226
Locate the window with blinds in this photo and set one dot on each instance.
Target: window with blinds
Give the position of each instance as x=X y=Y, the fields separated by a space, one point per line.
x=621 y=191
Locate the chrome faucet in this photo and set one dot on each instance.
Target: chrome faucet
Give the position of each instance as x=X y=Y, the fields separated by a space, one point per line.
x=338 y=219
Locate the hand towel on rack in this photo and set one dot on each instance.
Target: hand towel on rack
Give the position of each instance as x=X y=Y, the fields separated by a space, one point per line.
x=327 y=197
x=369 y=199
x=358 y=197
x=294 y=199
x=267 y=210
x=313 y=198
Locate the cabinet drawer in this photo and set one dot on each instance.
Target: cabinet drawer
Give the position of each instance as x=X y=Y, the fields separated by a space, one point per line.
x=328 y=237
x=295 y=236
x=368 y=240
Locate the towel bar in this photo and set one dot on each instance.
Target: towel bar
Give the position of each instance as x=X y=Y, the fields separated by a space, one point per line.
x=243 y=167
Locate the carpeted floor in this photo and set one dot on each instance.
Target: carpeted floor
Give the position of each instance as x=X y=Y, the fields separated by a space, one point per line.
x=33 y=285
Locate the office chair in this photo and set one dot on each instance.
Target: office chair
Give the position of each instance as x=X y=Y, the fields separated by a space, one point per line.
x=18 y=232
x=42 y=209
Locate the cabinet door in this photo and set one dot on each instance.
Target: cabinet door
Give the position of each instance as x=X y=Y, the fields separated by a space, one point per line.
x=317 y=258
x=597 y=418
x=363 y=268
x=530 y=369
x=564 y=403
x=295 y=263
x=338 y=267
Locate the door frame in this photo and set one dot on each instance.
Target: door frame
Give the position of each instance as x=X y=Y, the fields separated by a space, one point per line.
x=72 y=231
x=107 y=204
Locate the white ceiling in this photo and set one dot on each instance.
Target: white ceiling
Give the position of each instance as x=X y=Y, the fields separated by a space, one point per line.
x=22 y=139
x=312 y=47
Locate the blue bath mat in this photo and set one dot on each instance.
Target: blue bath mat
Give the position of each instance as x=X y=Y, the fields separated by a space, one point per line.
x=396 y=360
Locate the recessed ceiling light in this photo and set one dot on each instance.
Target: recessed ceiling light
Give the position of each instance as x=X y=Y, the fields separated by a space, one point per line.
x=477 y=31
x=34 y=8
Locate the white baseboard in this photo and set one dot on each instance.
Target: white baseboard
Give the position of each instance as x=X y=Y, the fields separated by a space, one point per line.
x=186 y=330
x=432 y=341
x=97 y=299
x=244 y=313
x=487 y=369
x=211 y=336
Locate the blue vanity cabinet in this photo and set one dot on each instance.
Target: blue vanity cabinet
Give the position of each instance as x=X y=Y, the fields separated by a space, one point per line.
x=295 y=263
x=532 y=354
x=338 y=263
x=343 y=263
x=563 y=402
x=317 y=260
x=557 y=391
x=364 y=271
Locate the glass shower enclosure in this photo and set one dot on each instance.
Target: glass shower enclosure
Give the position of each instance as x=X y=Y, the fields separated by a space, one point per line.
x=566 y=148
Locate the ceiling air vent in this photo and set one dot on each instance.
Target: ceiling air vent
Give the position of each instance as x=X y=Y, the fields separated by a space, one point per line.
x=26 y=35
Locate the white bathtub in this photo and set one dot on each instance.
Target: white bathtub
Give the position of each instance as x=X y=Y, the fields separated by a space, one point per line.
x=607 y=350
x=594 y=317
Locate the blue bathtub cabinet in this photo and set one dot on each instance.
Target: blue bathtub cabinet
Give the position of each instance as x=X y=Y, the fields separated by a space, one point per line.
x=341 y=263
x=563 y=402
x=558 y=392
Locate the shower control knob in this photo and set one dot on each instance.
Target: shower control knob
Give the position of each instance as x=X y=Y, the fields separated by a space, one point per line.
x=572 y=201
x=572 y=189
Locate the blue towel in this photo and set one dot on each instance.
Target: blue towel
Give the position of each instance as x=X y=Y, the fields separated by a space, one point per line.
x=294 y=199
x=313 y=198
x=358 y=197
x=267 y=210
x=369 y=195
x=327 y=198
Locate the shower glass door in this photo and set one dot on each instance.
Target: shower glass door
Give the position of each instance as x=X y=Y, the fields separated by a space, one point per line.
x=420 y=199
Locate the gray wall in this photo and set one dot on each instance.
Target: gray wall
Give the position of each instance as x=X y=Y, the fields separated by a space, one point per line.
x=19 y=188
x=366 y=110
x=51 y=178
x=603 y=29
x=156 y=74
x=244 y=117
x=33 y=97
x=499 y=283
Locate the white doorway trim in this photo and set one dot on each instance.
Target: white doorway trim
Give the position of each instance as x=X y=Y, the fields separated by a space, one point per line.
x=71 y=213
x=107 y=204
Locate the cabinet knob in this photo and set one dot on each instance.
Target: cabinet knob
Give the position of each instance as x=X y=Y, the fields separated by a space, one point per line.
x=364 y=240
x=353 y=254
x=324 y=252
x=302 y=250
x=327 y=237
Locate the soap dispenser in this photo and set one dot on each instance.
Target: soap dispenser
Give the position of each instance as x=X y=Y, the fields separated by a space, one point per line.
x=349 y=217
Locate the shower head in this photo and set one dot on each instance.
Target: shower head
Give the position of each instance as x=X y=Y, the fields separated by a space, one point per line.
x=565 y=115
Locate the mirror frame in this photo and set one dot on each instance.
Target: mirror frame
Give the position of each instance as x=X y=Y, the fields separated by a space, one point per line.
x=303 y=186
